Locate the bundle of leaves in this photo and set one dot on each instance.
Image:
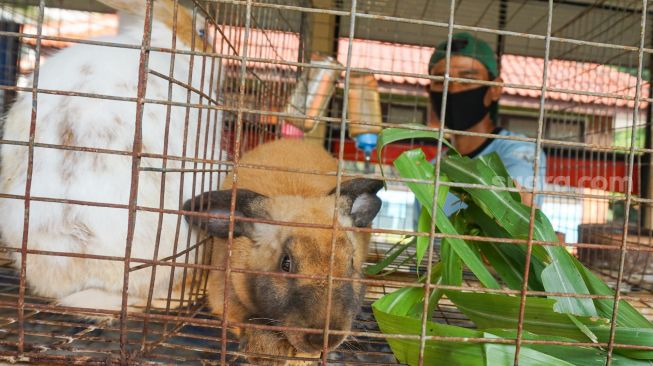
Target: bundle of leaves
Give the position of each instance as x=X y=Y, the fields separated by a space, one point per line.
x=565 y=316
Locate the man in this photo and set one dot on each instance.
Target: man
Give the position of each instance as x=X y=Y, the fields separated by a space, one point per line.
x=473 y=108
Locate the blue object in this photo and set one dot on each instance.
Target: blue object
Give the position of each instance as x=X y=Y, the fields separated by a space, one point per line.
x=9 y=50
x=367 y=143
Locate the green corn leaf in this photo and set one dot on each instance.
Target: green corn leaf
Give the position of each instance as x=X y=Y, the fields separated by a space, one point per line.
x=415 y=165
x=560 y=275
x=497 y=204
x=504 y=354
x=502 y=311
x=493 y=161
x=630 y=336
x=412 y=164
x=628 y=316
x=507 y=270
x=435 y=295
x=395 y=316
x=402 y=300
x=391 y=312
x=509 y=260
x=407 y=301
x=407 y=168
x=576 y=355
x=500 y=214
x=452 y=273
x=583 y=328
x=465 y=252
x=390 y=135
x=452 y=268
x=511 y=215
x=424 y=221
x=391 y=255
x=435 y=353
x=492 y=230
x=423 y=226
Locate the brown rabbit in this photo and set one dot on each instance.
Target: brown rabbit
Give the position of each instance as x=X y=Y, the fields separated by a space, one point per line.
x=291 y=197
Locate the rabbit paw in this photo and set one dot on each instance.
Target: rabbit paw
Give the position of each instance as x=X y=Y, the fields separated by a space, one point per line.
x=257 y=344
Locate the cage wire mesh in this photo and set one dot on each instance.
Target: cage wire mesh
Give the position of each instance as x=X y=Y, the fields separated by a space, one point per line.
x=575 y=79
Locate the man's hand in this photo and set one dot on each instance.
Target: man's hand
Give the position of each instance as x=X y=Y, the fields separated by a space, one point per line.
x=526 y=197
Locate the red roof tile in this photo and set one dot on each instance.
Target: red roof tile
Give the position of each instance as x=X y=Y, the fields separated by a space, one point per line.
x=399 y=58
x=565 y=75
x=85 y=25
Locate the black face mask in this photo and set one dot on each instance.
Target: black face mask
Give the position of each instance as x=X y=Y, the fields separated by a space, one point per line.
x=464 y=109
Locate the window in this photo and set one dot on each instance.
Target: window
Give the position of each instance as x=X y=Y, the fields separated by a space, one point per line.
x=554 y=128
x=398 y=113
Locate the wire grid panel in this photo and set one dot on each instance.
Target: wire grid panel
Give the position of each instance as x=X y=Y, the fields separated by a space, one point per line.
x=257 y=53
x=571 y=86
x=189 y=70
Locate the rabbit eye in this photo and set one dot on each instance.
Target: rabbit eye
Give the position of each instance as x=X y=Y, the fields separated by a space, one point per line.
x=286 y=263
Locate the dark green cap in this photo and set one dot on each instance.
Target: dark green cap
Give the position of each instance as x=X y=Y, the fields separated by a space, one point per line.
x=464 y=44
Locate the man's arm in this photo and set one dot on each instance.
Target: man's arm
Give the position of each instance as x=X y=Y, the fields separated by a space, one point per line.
x=519 y=159
x=526 y=197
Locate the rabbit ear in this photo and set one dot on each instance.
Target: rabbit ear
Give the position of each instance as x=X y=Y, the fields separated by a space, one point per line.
x=359 y=200
x=248 y=204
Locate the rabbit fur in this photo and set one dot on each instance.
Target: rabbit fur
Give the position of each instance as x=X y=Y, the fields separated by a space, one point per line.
x=288 y=196
x=106 y=178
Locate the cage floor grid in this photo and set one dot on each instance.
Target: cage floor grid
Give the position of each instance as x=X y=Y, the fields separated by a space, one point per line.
x=53 y=337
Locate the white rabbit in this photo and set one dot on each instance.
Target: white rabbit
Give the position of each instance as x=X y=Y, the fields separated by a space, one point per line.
x=106 y=178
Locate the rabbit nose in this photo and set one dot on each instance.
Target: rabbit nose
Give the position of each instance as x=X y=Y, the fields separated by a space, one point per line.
x=317 y=340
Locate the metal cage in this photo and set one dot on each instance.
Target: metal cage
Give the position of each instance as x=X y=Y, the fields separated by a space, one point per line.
x=576 y=82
